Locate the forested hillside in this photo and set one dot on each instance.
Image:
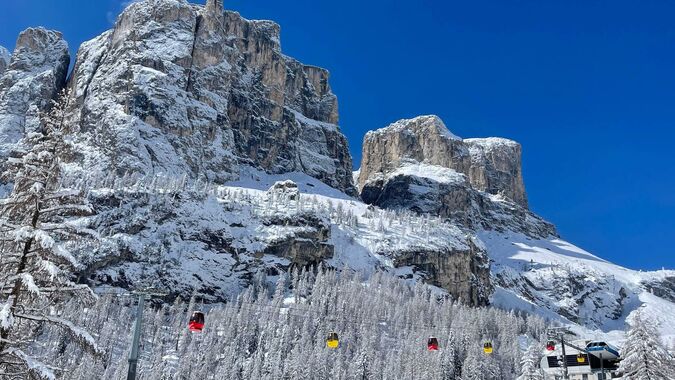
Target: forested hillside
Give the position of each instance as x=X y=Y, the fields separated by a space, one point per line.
x=279 y=333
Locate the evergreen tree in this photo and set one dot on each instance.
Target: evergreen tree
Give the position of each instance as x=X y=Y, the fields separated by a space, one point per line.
x=644 y=356
x=530 y=363
x=383 y=324
x=36 y=233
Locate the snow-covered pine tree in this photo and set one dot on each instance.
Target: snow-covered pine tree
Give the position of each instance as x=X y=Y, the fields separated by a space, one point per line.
x=644 y=355
x=530 y=363
x=36 y=230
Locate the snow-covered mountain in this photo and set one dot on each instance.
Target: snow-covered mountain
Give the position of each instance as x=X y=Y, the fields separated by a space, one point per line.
x=476 y=184
x=210 y=158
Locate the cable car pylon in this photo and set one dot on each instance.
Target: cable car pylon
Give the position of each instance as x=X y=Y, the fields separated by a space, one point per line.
x=135 y=343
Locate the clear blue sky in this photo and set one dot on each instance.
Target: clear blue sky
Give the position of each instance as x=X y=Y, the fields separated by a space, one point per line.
x=588 y=88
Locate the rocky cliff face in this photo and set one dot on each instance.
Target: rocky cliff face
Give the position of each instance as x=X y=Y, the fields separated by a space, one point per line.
x=417 y=164
x=177 y=87
x=33 y=76
x=491 y=165
x=215 y=240
x=465 y=274
x=496 y=168
x=4 y=59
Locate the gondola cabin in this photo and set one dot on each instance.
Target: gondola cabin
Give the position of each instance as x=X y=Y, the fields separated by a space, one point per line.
x=602 y=349
x=581 y=365
x=487 y=348
x=550 y=345
x=332 y=340
x=432 y=344
x=196 y=323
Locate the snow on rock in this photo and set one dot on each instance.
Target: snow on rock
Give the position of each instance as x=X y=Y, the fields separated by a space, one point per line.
x=36 y=72
x=214 y=240
x=4 y=59
x=563 y=282
x=444 y=192
x=180 y=88
x=430 y=123
x=492 y=165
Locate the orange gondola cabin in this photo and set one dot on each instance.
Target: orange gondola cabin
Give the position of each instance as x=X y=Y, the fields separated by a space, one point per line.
x=196 y=323
x=432 y=344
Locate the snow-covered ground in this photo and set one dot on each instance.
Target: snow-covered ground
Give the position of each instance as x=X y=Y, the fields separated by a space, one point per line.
x=562 y=278
x=550 y=277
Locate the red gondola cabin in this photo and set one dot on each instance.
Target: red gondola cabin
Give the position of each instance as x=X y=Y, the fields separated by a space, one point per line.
x=550 y=345
x=432 y=344
x=196 y=322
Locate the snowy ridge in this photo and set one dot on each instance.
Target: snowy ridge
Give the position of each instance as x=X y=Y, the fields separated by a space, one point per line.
x=4 y=58
x=425 y=121
x=212 y=238
x=560 y=281
x=490 y=142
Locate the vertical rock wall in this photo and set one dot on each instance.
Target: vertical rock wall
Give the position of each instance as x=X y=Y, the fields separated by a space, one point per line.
x=36 y=72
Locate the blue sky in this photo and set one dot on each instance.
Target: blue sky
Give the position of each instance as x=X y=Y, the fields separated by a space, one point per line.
x=588 y=88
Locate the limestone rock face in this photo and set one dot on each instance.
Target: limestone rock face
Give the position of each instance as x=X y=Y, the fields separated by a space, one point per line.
x=417 y=164
x=465 y=274
x=33 y=76
x=496 y=168
x=424 y=139
x=4 y=59
x=180 y=88
x=434 y=190
x=491 y=165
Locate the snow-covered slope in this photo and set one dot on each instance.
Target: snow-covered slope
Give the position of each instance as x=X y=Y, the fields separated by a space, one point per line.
x=563 y=282
x=476 y=184
x=214 y=239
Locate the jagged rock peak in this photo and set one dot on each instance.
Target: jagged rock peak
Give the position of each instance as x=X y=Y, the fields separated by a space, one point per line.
x=36 y=72
x=424 y=123
x=196 y=89
x=215 y=6
x=492 y=165
x=4 y=59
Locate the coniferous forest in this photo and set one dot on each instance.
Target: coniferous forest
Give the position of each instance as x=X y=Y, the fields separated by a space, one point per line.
x=279 y=332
